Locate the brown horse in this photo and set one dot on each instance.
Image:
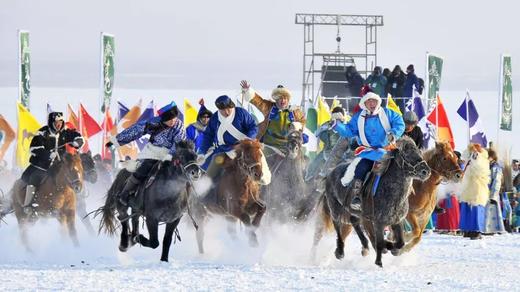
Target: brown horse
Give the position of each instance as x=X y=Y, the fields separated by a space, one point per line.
x=236 y=193
x=445 y=167
x=55 y=197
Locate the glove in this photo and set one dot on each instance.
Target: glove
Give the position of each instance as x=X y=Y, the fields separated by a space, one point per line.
x=245 y=90
x=391 y=138
x=53 y=155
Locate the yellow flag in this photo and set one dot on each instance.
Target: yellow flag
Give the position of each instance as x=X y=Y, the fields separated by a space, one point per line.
x=28 y=126
x=190 y=113
x=391 y=105
x=323 y=112
x=335 y=103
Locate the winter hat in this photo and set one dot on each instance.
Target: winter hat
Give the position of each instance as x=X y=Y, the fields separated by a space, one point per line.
x=224 y=102
x=410 y=68
x=54 y=117
x=410 y=118
x=279 y=92
x=203 y=111
x=168 y=112
x=370 y=95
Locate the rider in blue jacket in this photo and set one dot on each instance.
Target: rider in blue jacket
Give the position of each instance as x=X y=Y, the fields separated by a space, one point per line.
x=374 y=127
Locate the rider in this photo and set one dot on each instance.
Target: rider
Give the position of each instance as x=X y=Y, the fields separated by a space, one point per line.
x=412 y=130
x=330 y=138
x=195 y=131
x=45 y=147
x=226 y=128
x=278 y=116
x=164 y=130
x=375 y=128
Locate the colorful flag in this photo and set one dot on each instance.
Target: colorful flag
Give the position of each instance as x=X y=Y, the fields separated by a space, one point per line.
x=391 y=105
x=147 y=114
x=24 y=63
x=7 y=136
x=125 y=120
x=28 y=126
x=107 y=68
x=72 y=120
x=506 y=94
x=335 y=103
x=88 y=126
x=323 y=112
x=433 y=79
x=439 y=118
x=415 y=104
x=122 y=110
x=311 y=126
x=190 y=113
x=107 y=126
x=468 y=112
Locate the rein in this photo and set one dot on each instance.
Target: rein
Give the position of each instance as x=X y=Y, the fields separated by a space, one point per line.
x=409 y=165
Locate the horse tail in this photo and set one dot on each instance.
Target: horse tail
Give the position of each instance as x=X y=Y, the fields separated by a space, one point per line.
x=109 y=221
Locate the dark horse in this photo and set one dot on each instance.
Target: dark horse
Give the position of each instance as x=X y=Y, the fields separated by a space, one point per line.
x=286 y=196
x=388 y=206
x=55 y=197
x=236 y=192
x=163 y=198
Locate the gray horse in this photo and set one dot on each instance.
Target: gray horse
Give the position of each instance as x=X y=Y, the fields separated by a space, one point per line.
x=387 y=206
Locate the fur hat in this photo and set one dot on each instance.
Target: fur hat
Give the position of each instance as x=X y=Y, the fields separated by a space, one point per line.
x=370 y=95
x=279 y=92
x=54 y=117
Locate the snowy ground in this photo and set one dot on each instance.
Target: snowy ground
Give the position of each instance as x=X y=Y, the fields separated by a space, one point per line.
x=282 y=262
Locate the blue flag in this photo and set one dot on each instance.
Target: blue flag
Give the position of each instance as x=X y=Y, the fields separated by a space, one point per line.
x=415 y=104
x=468 y=112
x=147 y=114
x=122 y=111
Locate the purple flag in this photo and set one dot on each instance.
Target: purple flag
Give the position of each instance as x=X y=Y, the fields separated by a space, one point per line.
x=469 y=113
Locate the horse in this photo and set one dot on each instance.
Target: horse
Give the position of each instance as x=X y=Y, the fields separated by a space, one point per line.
x=55 y=197
x=287 y=195
x=385 y=204
x=89 y=175
x=236 y=192
x=444 y=166
x=164 y=198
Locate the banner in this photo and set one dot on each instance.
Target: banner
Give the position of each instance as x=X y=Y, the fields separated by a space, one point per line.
x=28 y=126
x=506 y=94
x=434 y=78
x=107 y=68
x=190 y=113
x=439 y=118
x=24 y=76
x=88 y=127
x=468 y=112
x=391 y=105
x=324 y=114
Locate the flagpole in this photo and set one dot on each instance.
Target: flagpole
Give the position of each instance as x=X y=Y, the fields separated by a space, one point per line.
x=437 y=115
x=427 y=84
x=500 y=93
x=467 y=115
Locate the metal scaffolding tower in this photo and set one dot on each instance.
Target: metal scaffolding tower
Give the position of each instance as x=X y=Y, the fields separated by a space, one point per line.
x=364 y=61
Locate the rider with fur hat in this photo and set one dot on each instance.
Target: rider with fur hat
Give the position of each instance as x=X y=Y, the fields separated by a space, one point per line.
x=279 y=115
x=164 y=130
x=45 y=147
x=375 y=128
x=195 y=131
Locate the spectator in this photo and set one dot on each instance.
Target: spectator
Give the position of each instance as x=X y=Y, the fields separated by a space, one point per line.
x=411 y=81
x=377 y=82
x=494 y=222
x=395 y=84
x=355 y=81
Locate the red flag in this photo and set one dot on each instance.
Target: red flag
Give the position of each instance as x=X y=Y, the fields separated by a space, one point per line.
x=88 y=126
x=439 y=118
x=107 y=126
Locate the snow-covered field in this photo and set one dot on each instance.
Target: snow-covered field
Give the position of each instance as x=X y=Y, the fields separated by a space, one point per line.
x=282 y=262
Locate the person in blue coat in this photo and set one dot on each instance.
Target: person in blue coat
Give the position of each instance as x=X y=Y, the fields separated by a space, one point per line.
x=164 y=130
x=226 y=128
x=195 y=131
x=411 y=82
x=374 y=127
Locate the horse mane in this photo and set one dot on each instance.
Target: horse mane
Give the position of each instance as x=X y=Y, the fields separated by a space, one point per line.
x=185 y=144
x=387 y=158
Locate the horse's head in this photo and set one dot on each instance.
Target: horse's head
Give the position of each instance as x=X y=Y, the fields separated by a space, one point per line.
x=409 y=159
x=294 y=143
x=89 y=167
x=443 y=160
x=186 y=158
x=71 y=171
x=249 y=158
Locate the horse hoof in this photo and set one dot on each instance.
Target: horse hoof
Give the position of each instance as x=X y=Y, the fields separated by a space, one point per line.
x=379 y=263
x=339 y=254
x=396 y=252
x=384 y=251
x=364 y=252
x=123 y=248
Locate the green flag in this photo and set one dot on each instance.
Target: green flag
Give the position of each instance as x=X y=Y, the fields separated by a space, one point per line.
x=107 y=68
x=434 y=78
x=24 y=59
x=506 y=94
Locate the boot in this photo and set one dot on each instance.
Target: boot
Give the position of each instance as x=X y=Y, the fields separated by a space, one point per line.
x=29 y=194
x=129 y=189
x=355 y=201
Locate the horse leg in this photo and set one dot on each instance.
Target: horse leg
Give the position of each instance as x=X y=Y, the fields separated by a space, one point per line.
x=153 y=230
x=416 y=234
x=167 y=240
x=321 y=225
x=24 y=226
x=231 y=227
x=399 y=238
x=260 y=211
x=71 y=226
x=340 y=245
x=135 y=230
x=362 y=238
x=380 y=243
x=81 y=208
x=123 y=243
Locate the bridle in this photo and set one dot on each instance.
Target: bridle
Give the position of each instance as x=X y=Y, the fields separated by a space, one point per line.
x=247 y=167
x=411 y=168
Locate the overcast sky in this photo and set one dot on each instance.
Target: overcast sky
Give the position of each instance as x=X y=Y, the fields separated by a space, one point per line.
x=214 y=44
